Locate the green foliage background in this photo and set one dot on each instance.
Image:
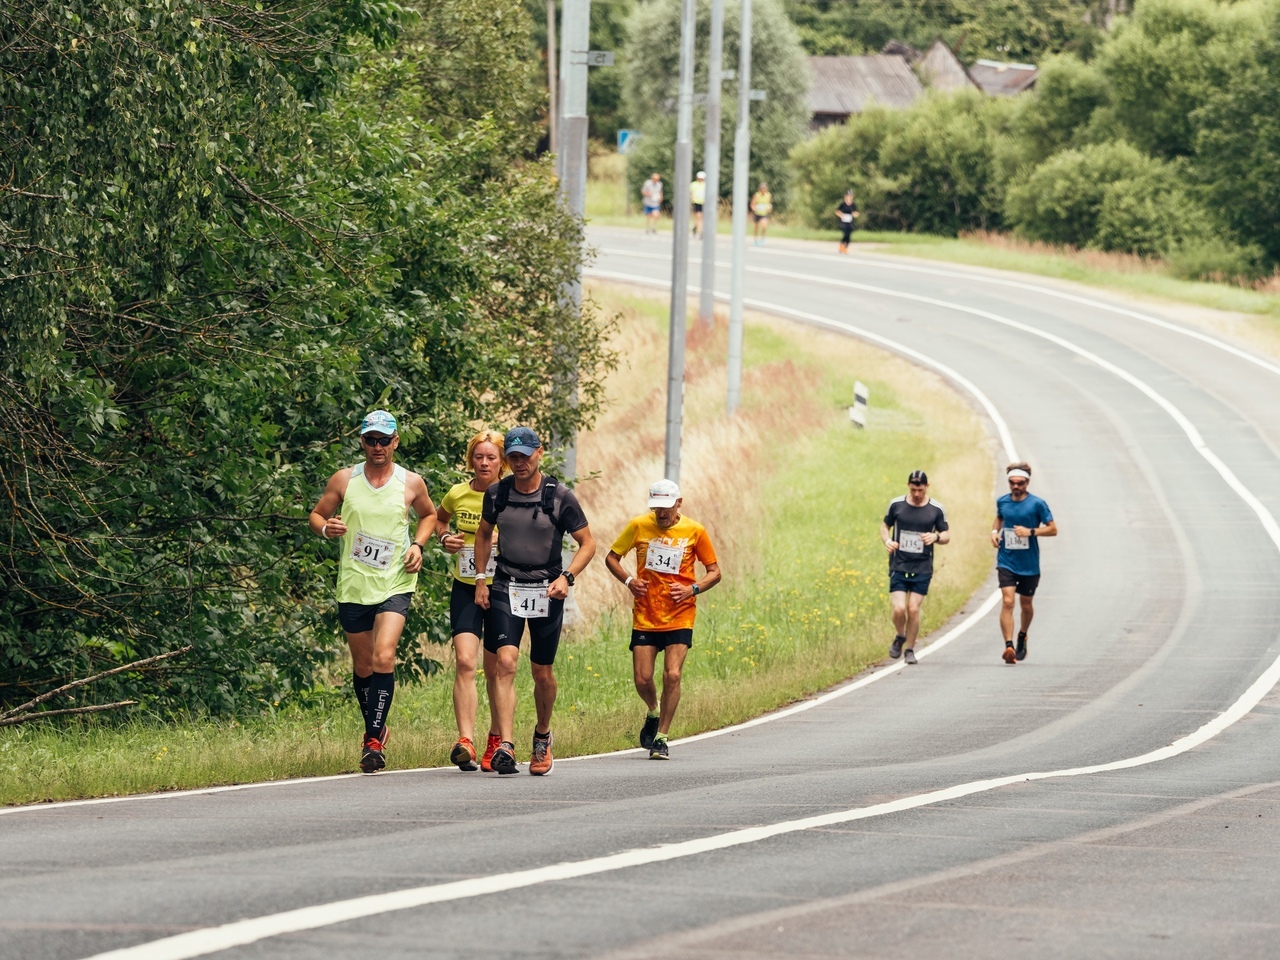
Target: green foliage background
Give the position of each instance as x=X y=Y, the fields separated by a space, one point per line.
x=227 y=231
x=1165 y=144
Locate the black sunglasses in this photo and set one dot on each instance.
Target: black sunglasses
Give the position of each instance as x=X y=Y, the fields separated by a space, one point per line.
x=377 y=441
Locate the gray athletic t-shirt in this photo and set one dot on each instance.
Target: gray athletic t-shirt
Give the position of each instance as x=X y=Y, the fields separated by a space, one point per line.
x=526 y=535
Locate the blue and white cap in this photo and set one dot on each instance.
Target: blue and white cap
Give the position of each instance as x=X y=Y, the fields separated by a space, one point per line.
x=378 y=422
x=521 y=440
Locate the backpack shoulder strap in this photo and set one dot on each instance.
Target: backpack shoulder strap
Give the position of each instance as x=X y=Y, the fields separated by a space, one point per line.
x=503 y=494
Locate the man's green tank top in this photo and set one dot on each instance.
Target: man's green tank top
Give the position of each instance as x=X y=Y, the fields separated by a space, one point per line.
x=371 y=566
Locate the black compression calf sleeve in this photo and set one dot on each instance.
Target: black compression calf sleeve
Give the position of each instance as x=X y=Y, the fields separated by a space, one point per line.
x=381 y=688
x=361 y=686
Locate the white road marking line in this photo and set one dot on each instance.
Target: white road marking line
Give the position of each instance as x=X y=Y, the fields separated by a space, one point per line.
x=1000 y=282
x=213 y=940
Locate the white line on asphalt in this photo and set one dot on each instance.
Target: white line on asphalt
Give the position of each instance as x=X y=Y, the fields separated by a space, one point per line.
x=1001 y=282
x=216 y=939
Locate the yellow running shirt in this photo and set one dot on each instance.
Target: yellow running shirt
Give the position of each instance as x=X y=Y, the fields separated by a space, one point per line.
x=371 y=564
x=663 y=558
x=463 y=504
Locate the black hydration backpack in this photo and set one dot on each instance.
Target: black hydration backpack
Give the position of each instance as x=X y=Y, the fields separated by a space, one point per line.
x=502 y=500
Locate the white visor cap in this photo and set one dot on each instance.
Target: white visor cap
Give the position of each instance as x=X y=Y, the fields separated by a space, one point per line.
x=664 y=493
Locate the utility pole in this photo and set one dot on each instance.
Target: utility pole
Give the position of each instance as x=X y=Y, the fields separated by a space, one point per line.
x=741 y=168
x=680 y=244
x=711 y=162
x=553 y=112
x=571 y=159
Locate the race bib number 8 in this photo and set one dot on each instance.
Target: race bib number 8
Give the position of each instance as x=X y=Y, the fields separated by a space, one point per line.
x=529 y=601
x=1014 y=542
x=662 y=558
x=372 y=552
x=467 y=564
x=910 y=541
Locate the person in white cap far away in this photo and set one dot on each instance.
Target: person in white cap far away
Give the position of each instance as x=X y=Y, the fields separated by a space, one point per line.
x=664 y=591
x=698 y=197
x=367 y=507
x=1022 y=519
x=911 y=526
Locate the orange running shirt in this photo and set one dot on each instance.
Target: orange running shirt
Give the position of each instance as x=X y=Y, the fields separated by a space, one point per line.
x=656 y=611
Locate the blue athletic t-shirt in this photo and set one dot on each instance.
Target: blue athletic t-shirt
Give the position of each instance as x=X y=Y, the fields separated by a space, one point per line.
x=1032 y=512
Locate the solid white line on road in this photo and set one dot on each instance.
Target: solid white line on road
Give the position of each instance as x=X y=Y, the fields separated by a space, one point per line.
x=1001 y=282
x=213 y=940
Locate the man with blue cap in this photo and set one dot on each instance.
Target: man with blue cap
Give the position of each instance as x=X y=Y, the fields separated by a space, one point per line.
x=367 y=507
x=529 y=587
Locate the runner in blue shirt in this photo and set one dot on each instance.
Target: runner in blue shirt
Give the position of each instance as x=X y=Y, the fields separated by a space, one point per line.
x=1021 y=520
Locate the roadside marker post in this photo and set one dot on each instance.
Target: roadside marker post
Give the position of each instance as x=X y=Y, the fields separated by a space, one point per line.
x=858 y=412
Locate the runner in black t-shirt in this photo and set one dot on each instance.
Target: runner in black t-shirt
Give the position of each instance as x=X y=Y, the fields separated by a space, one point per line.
x=911 y=526
x=846 y=213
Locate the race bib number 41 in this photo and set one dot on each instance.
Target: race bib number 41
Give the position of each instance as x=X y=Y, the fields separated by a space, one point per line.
x=663 y=558
x=529 y=601
x=372 y=552
x=910 y=541
x=467 y=564
x=1014 y=542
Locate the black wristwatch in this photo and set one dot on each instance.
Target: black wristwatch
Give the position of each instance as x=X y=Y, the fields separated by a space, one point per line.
x=421 y=548
x=568 y=577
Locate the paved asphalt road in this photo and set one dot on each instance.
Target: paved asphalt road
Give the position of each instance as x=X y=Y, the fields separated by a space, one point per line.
x=1159 y=610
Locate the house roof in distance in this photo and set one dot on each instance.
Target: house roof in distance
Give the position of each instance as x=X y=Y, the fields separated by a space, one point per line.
x=1001 y=79
x=941 y=69
x=847 y=85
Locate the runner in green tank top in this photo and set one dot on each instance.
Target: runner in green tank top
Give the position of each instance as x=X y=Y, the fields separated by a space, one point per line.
x=367 y=507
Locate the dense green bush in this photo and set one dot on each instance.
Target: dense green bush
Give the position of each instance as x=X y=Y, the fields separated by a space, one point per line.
x=652 y=64
x=229 y=230
x=932 y=169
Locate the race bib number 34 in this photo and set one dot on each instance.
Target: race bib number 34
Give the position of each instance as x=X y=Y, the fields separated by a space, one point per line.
x=663 y=558
x=372 y=552
x=529 y=601
x=910 y=541
x=467 y=564
x=1014 y=542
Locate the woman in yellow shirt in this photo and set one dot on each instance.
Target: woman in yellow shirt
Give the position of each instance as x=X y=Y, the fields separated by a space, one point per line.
x=761 y=210
x=466 y=619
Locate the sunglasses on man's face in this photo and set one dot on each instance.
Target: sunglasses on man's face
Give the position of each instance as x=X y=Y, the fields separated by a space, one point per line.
x=377 y=441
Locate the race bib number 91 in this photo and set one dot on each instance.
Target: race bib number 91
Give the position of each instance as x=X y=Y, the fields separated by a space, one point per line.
x=662 y=558
x=910 y=541
x=529 y=601
x=467 y=564
x=372 y=552
x=1014 y=542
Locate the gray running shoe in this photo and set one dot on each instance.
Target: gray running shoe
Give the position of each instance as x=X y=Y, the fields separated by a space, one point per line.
x=895 y=648
x=648 y=732
x=659 y=750
x=909 y=656
x=1021 y=650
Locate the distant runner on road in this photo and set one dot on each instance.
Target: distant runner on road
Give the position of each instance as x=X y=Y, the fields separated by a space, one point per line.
x=1022 y=519
x=461 y=506
x=698 y=196
x=846 y=213
x=367 y=506
x=531 y=512
x=651 y=200
x=761 y=210
x=663 y=592
x=911 y=526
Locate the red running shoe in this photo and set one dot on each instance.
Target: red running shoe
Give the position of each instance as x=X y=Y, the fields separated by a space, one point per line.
x=464 y=754
x=486 y=762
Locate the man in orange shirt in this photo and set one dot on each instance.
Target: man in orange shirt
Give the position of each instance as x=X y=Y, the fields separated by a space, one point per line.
x=663 y=606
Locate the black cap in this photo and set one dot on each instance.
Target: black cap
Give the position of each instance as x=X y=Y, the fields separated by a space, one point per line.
x=918 y=476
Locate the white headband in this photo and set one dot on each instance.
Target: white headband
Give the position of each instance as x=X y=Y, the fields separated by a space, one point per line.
x=1018 y=472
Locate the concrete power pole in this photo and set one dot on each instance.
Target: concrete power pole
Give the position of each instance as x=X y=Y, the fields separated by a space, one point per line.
x=680 y=245
x=571 y=159
x=711 y=162
x=741 y=169
x=553 y=112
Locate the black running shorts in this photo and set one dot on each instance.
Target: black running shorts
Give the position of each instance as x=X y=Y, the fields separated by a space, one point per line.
x=661 y=638
x=465 y=616
x=1024 y=584
x=358 y=617
x=502 y=628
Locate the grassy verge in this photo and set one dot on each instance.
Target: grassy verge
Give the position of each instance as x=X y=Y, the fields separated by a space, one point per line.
x=792 y=495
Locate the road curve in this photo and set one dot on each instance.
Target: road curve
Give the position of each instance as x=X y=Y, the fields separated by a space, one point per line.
x=1116 y=794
